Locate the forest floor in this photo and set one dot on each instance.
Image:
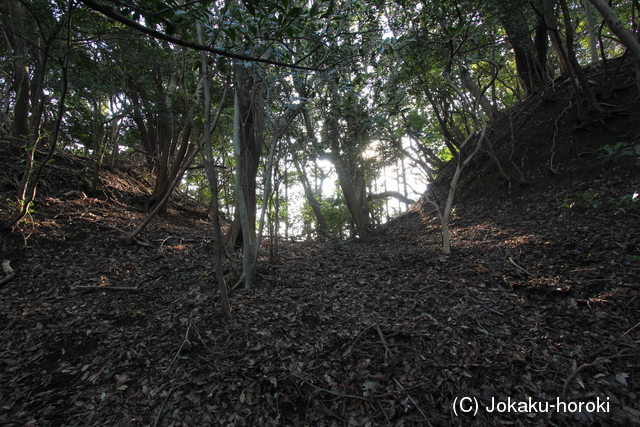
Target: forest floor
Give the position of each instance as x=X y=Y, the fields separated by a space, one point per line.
x=537 y=306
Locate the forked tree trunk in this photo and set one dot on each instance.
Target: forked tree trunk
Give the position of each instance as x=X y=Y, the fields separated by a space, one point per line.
x=250 y=137
x=354 y=190
x=530 y=60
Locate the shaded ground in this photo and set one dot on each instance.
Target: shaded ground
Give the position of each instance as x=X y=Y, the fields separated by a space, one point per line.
x=539 y=300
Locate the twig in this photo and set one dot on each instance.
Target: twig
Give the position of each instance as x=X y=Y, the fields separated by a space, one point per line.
x=159 y=416
x=589 y=365
x=10 y=273
x=350 y=349
x=384 y=342
x=403 y=315
x=384 y=413
x=111 y=288
x=637 y=324
x=389 y=333
x=520 y=268
x=335 y=393
x=186 y=339
x=170 y=237
x=330 y=413
x=135 y=240
x=411 y=399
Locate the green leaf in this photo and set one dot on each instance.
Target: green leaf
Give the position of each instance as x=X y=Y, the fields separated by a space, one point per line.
x=329 y=11
x=314 y=9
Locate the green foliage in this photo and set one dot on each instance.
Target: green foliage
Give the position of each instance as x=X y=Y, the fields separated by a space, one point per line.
x=619 y=149
x=336 y=215
x=593 y=199
x=629 y=201
x=585 y=200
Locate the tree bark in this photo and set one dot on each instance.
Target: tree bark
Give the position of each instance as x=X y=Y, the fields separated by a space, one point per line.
x=390 y=193
x=473 y=88
x=250 y=138
x=626 y=36
x=245 y=225
x=573 y=62
x=530 y=66
x=354 y=189
x=21 y=79
x=213 y=180
x=593 y=39
x=311 y=198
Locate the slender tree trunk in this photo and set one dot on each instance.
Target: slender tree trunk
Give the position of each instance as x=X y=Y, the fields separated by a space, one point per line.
x=593 y=37
x=286 y=198
x=129 y=238
x=450 y=139
x=21 y=78
x=245 y=225
x=30 y=185
x=551 y=22
x=473 y=88
x=251 y=108
x=573 y=62
x=311 y=198
x=213 y=181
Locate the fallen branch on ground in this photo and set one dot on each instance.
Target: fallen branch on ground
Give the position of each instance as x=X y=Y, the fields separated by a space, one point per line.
x=111 y=288
x=10 y=273
x=520 y=268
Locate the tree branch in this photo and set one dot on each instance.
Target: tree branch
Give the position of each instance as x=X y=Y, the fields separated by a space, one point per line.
x=395 y=194
x=162 y=36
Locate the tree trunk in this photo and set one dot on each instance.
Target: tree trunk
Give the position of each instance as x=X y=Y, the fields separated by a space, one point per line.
x=213 y=181
x=450 y=140
x=573 y=62
x=530 y=67
x=243 y=210
x=473 y=88
x=551 y=22
x=251 y=108
x=21 y=79
x=354 y=189
x=311 y=198
x=162 y=146
x=396 y=194
x=626 y=37
x=593 y=39
x=28 y=190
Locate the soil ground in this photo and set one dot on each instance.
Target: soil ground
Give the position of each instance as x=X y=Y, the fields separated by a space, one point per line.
x=538 y=302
